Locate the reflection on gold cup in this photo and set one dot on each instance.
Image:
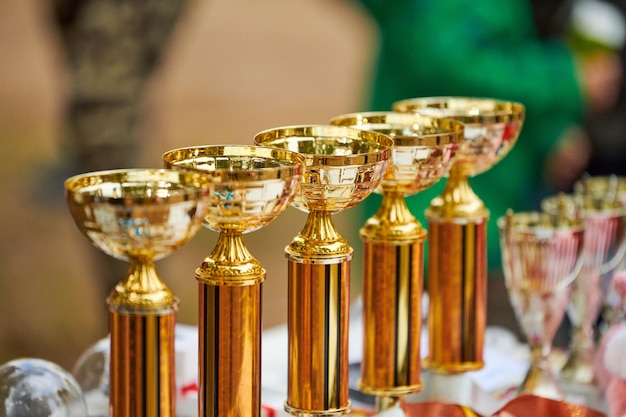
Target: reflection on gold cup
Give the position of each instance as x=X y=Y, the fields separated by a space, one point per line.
x=140 y=216
x=393 y=241
x=457 y=221
x=251 y=186
x=343 y=166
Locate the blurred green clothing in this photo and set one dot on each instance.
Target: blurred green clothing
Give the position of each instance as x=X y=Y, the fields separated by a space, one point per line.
x=482 y=48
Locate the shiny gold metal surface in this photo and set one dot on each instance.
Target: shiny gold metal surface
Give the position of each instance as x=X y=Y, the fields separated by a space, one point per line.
x=457 y=302
x=541 y=257
x=342 y=167
x=140 y=216
x=142 y=368
x=457 y=259
x=393 y=239
x=251 y=186
x=230 y=373
x=318 y=338
x=491 y=127
x=604 y=218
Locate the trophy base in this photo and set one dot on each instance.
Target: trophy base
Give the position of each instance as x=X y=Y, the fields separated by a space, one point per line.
x=587 y=394
x=454 y=388
x=313 y=413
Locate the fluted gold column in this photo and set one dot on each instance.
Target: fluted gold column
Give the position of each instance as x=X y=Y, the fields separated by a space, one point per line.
x=393 y=244
x=142 y=327
x=230 y=287
x=319 y=293
x=457 y=277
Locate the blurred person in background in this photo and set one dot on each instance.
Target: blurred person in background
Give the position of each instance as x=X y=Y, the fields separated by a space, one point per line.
x=510 y=50
x=112 y=47
x=597 y=26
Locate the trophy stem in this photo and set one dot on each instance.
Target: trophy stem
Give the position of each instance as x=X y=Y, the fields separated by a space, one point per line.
x=230 y=292
x=457 y=277
x=142 y=325
x=386 y=403
x=583 y=310
x=540 y=379
x=393 y=247
x=318 y=319
x=579 y=366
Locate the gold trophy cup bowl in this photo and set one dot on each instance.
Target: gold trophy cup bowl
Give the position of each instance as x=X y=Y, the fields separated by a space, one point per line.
x=605 y=242
x=457 y=227
x=393 y=239
x=342 y=167
x=541 y=257
x=252 y=185
x=140 y=216
x=491 y=130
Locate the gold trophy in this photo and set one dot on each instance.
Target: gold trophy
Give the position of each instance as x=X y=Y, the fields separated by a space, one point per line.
x=140 y=216
x=393 y=243
x=541 y=257
x=343 y=166
x=605 y=234
x=457 y=221
x=252 y=186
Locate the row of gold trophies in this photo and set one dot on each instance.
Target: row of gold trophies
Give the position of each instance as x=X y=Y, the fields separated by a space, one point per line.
x=141 y=215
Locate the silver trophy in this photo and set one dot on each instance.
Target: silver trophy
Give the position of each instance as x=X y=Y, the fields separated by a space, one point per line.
x=605 y=228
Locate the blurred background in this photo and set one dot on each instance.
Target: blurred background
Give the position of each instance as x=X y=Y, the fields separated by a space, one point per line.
x=226 y=70
x=230 y=69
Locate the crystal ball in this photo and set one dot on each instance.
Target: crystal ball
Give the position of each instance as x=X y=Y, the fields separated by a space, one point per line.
x=38 y=388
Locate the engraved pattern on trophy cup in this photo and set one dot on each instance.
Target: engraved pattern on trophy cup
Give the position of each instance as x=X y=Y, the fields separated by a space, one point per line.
x=393 y=239
x=343 y=166
x=252 y=186
x=457 y=221
x=140 y=215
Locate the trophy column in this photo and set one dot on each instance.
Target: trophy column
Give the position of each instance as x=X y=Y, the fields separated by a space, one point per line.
x=142 y=375
x=318 y=319
x=342 y=167
x=393 y=248
x=392 y=302
x=229 y=324
x=457 y=225
x=252 y=186
x=140 y=215
x=457 y=277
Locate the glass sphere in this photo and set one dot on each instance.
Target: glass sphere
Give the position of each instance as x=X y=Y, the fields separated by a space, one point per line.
x=92 y=367
x=92 y=374
x=38 y=388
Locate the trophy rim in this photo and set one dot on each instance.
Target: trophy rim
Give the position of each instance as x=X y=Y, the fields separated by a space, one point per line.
x=503 y=111
x=291 y=163
x=281 y=135
x=529 y=222
x=378 y=154
x=582 y=205
x=602 y=186
x=187 y=188
x=450 y=134
x=193 y=183
x=289 y=169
